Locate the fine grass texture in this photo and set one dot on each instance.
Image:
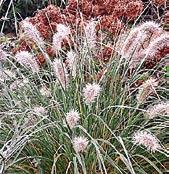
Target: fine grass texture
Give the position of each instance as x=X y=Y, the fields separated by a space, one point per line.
x=76 y=114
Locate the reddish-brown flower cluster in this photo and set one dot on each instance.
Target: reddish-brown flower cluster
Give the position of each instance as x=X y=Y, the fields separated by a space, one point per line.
x=159 y=2
x=111 y=24
x=165 y=21
x=46 y=20
x=95 y=8
x=109 y=14
x=105 y=54
x=23 y=45
x=133 y=9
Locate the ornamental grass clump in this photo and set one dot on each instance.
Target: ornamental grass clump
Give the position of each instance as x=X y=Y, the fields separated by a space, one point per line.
x=85 y=110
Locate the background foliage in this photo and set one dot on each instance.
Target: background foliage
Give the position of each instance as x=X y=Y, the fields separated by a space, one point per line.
x=20 y=9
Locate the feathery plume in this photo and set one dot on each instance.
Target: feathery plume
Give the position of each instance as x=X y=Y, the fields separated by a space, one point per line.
x=138 y=41
x=146 y=139
x=158 y=110
x=62 y=33
x=71 y=62
x=26 y=59
x=129 y=45
x=57 y=42
x=133 y=9
x=80 y=144
x=158 y=49
x=151 y=29
x=60 y=72
x=72 y=118
x=90 y=92
x=39 y=110
x=32 y=33
x=90 y=33
x=63 y=30
x=146 y=89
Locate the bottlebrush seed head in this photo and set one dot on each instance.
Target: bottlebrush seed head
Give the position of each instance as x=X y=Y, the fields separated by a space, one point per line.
x=26 y=59
x=60 y=72
x=90 y=34
x=129 y=45
x=158 y=48
x=151 y=28
x=146 y=139
x=80 y=144
x=90 y=92
x=139 y=37
x=71 y=62
x=62 y=33
x=72 y=118
x=146 y=89
x=32 y=33
x=57 y=42
x=63 y=30
x=39 y=110
x=158 y=110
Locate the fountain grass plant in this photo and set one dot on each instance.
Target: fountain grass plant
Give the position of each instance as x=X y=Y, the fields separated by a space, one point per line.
x=63 y=119
x=42 y=142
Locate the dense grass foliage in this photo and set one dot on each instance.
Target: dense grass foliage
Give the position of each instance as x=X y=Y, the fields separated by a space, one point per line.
x=83 y=110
